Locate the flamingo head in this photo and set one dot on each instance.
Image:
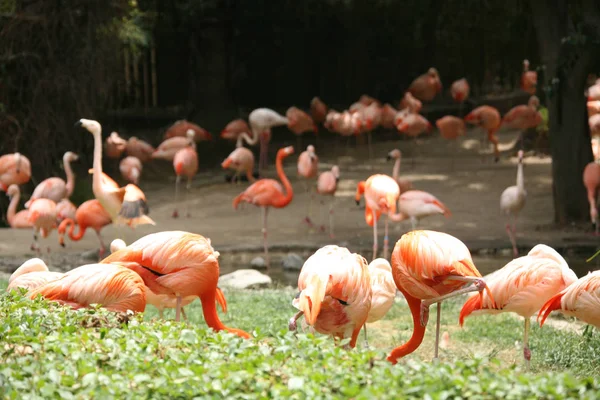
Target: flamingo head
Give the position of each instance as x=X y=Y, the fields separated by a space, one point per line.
x=12 y=191
x=394 y=154
x=227 y=163
x=286 y=151
x=335 y=170
x=116 y=245
x=520 y=156
x=90 y=125
x=526 y=65
x=70 y=156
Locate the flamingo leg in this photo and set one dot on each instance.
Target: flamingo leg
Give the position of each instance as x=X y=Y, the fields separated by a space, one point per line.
x=102 y=249
x=161 y=314
x=366 y=339
x=413 y=222
x=511 y=235
x=34 y=245
x=331 y=235
x=292 y=322
x=437 y=331
x=374 y=234
x=177 y=180
x=526 y=351
x=178 y=307
x=414 y=155
x=185 y=318
x=264 y=230
x=308 y=212
x=385 y=239
x=188 y=188
x=370 y=153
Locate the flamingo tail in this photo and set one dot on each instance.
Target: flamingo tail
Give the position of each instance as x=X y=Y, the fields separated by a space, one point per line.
x=472 y=304
x=221 y=300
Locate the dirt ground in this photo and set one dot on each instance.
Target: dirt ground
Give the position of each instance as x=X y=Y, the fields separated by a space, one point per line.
x=470 y=188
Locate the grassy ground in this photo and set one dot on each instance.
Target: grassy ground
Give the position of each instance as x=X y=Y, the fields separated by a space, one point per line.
x=49 y=351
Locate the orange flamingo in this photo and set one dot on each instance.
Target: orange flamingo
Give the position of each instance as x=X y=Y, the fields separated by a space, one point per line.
x=416 y=205
x=308 y=167
x=55 y=188
x=126 y=204
x=300 y=122
x=186 y=164
x=512 y=202
x=426 y=86
x=591 y=180
x=383 y=289
x=413 y=125
x=15 y=169
x=528 y=78
x=240 y=160
x=381 y=194
x=31 y=274
x=140 y=149
x=318 y=110
x=65 y=209
x=335 y=293
x=489 y=119
x=42 y=215
x=114 y=145
x=261 y=122
x=267 y=193
x=404 y=184
x=326 y=186
x=16 y=219
x=429 y=267
x=451 y=128
x=524 y=116
x=169 y=147
x=181 y=128
x=579 y=300
x=178 y=264
x=523 y=286
x=114 y=287
x=131 y=169
x=90 y=214
x=234 y=129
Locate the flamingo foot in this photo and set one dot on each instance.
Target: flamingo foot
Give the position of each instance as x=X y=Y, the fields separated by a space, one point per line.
x=527 y=354
x=292 y=326
x=48 y=249
x=308 y=221
x=175 y=214
x=101 y=252
x=424 y=314
x=322 y=228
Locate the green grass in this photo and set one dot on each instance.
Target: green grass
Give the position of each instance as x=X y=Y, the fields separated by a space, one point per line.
x=48 y=351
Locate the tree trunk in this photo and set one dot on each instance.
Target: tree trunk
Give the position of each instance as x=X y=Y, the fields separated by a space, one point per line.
x=566 y=70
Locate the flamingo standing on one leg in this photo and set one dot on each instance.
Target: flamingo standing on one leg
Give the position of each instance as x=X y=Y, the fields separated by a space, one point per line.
x=308 y=167
x=404 y=184
x=140 y=149
x=240 y=160
x=65 y=209
x=90 y=214
x=318 y=110
x=169 y=147
x=114 y=145
x=55 y=188
x=15 y=169
x=234 y=129
x=261 y=122
x=182 y=127
x=131 y=169
x=416 y=205
x=178 y=264
x=512 y=202
x=300 y=122
x=413 y=125
x=451 y=128
x=186 y=164
x=383 y=289
x=42 y=215
x=489 y=119
x=528 y=78
x=429 y=267
x=267 y=193
x=31 y=274
x=381 y=195
x=523 y=286
x=591 y=180
x=426 y=86
x=326 y=186
x=16 y=219
x=335 y=293
x=460 y=92
x=524 y=116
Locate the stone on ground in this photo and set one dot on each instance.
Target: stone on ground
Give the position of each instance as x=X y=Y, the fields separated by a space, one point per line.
x=244 y=279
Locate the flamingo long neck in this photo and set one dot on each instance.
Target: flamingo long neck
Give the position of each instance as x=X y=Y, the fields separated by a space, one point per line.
x=70 y=177
x=520 y=178
x=418 y=331
x=12 y=208
x=282 y=202
x=97 y=165
x=360 y=189
x=396 y=171
x=243 y=137
x=75 y=236
x=209 y=309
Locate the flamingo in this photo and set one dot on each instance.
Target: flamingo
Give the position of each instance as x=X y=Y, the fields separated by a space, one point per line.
x=410 y=103
x=65 y=209
x=140 y=149
x=326 y=186
x=368 y=100
x=593 y=107
x=388 y=114
x=459 y=90
x=90 y=214
x=31 y=274
x=318 y=110
x=523 y=286
x=55 y=188
x=416 y=205
x=114 y=145
x=16 y=219
x=308 y=167
x=335 y=293
x=267 y=193
x=489 y=119
x=594 y=91
x=234 y=129
x=413 y=125
x=594 y=123
x=451 y=128
x=42 y=216
x=381 y=194
x=591 y=180
x=383 y=289
x=528 y=78
x=114 y=287
x=371 y=119
x=186 y=164
x=181 y=128
x=169 y=147
x=429 y=267
x=126 y=204
x=131 y=169
x=15 y=169
x=404 y=184
x=300 y=122
x=580 y=300
x=240 y=160
x=261 y=122
x=178 y=264
x=523 y=117
x=426 y=86
x=512 y=202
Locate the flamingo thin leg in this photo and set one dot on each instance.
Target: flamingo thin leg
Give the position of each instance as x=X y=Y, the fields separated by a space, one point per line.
x=102 y=249
x=366 y=339
x=437 y=330
x=178 y=307
x=177 y=180
x=513 y=240
x=185 y=318
x=292 y=322
x=188 y=188
x=526 y=351
x=331 y=235
x=374 y=235
x=370 y=149
x=264 y=230
x=386 y=239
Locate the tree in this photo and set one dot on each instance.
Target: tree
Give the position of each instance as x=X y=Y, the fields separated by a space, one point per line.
x=568 y=38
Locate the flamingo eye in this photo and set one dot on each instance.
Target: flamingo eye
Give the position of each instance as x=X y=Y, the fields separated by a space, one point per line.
x=342 y=302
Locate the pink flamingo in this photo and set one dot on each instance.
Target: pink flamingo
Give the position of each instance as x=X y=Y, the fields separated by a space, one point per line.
x=65 y=209
x=32 y=274
x=114 y=145
x=523 y=286
x=16 y=219
x=181 y=128
x=261 y=122
x=131 y=169
x=368 y=100
x=416 y=205
x=186 y=164
x=404 y=184
x=591 y=180
x=413 y=125
x=410 y=103
x=528 y=79
x=308 y=167
x=523 y=116
x=426 y=86
x=318 y=110
x=14 y=169
x=489 y=119
x=234 y=129
x=388 y=113
x=381 y=195
x=240 y=160
x=55 y=188
x=42 y=215
x=169 y=147
x=140 y=149
x=383 y=289
x=300 y=122
x=459 y=90
x=267 y=193
x=512 y=202
x=451 y=128
x=594 y=122
x=593 y=107
x=90 y=214
x=326 y=186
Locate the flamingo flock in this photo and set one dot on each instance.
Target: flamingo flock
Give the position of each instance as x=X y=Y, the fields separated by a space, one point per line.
x=339 y=291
